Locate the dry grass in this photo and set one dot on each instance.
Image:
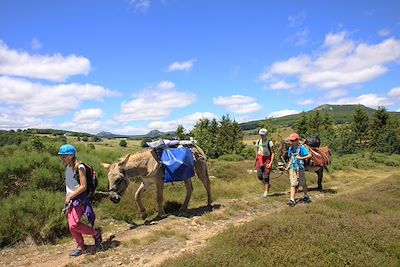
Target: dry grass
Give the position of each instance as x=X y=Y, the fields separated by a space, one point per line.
x=358 y=229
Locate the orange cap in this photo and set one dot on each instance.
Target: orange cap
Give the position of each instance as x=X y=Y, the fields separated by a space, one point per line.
x=293 y=136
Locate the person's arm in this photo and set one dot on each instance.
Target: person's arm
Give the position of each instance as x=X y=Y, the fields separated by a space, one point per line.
x=82 y=186
x=256 y=148
x=272 y=157
x=306 y=153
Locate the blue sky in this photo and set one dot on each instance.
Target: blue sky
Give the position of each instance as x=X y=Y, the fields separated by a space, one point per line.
x=130 y=66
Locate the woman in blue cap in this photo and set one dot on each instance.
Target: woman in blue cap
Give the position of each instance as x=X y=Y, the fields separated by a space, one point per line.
x=77 y=200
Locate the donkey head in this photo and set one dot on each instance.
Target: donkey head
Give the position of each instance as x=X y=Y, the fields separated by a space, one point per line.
x=117 y=180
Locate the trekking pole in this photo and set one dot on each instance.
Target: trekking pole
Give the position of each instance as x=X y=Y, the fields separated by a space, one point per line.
x=66 y=207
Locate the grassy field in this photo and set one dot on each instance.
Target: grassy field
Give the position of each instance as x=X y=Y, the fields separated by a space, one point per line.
x=361 y=228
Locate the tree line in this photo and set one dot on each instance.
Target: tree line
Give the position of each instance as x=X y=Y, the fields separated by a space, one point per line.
x=216 y=138
x=379 y=133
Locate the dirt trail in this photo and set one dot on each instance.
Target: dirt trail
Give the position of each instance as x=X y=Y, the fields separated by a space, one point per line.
x=151 y=244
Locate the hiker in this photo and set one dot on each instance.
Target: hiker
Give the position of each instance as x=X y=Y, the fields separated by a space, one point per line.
x=77 y=201
x=264 y=159
x=297 y=153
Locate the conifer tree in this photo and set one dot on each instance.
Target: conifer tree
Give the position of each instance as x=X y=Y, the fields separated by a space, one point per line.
x=302 y=125
x=180 y=132
x=315 y=122
x=360 y=127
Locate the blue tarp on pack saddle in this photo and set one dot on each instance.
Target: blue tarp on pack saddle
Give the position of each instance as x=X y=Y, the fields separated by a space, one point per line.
x=178 y=164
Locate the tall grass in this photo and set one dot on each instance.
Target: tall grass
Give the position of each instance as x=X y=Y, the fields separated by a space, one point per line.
x=35 y=214
x=361 y=229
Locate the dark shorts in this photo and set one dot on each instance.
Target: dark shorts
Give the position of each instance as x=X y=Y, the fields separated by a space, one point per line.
x=262 y=171
x=262 y=175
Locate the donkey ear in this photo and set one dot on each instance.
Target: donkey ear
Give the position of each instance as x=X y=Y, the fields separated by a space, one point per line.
x=124 y=161
x=105 y=165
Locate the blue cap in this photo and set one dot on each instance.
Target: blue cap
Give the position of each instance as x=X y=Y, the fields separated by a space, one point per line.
x=66 y=150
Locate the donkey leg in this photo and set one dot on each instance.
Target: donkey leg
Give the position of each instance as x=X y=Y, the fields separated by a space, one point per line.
x=160 y=197
x=320 y=174
x=138 y=197
x=189 y=190
x=202 y=174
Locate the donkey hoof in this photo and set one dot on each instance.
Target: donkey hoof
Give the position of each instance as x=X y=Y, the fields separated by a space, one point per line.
x=161 y=216
x=182 y=210
x=144 y=215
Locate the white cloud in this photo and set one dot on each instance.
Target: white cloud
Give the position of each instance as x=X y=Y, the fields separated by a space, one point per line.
x=182 y=66
x=299 y=38
x=398 y=110
x=53 y=68
x=131 y=130
x=395 y=92
x=305 y=102
x=187 y=122
x=85 y=120
x=88 y=121
x=88 y=115
x=296 y=20
x=12 y=121
x=154 y=103
x=384 y=32
x=369 y=100
x=238 y=104
x=140 y=5
x=339 y=62
x=281 y=85
x=294 y=65
x=36 y=44
x=282 y=113
x=336 y=93
x=165 y=85
x=35 y=99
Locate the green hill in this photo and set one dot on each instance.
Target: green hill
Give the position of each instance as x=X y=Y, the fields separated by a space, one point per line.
x=340 y=113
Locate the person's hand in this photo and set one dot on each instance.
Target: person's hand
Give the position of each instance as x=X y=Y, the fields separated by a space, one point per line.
x=67 y=200
x=269 y=165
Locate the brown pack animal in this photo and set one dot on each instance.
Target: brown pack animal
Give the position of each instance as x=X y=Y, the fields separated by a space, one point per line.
x=321 y=158
x=147 y=166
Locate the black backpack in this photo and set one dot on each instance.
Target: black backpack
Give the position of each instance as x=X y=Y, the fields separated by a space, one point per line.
x=313 y=141
x=91 y=180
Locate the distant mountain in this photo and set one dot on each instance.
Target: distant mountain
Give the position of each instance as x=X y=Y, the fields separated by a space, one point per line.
x=110 y=135
x=153 y=134
x=340 y=113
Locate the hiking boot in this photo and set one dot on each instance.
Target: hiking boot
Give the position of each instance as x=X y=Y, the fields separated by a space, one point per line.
x=98 y=238
x=76 y=252
x=306 y=199
x=291 y=203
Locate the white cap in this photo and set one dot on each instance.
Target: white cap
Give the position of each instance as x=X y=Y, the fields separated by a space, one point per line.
x=263 y=131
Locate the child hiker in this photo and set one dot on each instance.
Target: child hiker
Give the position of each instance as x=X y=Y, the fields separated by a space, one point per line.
x=77 y=200
x=264 y=159
x=297 y=153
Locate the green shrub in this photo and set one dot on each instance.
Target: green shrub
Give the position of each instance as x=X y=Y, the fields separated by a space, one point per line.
x=91 y=146
x=123 y=143
x=43 y=178
x=35 y=214
x=231 y=157
x=248 y=152
x=229 y=170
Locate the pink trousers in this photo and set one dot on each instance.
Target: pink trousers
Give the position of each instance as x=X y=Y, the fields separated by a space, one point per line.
x=76 y=227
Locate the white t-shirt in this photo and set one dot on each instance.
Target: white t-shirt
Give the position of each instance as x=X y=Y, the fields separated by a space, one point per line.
x=262 y=147
x=71 y=184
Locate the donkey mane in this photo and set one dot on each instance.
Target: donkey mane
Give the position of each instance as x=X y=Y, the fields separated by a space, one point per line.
x=146 y=154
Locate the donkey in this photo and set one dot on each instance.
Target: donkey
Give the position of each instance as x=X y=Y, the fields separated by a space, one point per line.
x=147 y=166
x=284 y=161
